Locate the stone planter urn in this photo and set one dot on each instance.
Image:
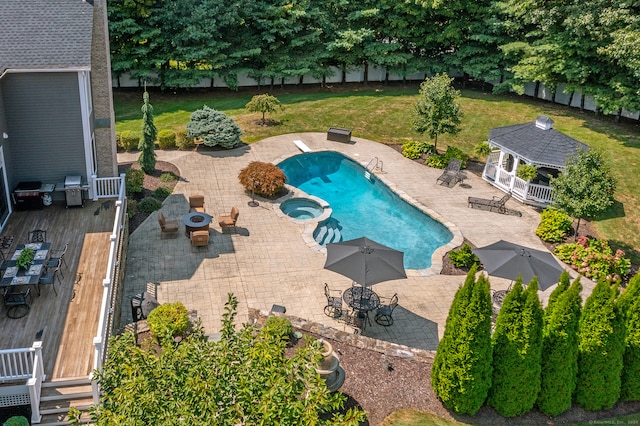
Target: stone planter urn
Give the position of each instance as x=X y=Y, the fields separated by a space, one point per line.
x=329 y=367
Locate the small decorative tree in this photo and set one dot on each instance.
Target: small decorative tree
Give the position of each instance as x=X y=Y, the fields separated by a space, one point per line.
x=214 y=128
x=147 y=159
x=264 y=103
x=262 y=178
x=600 y=350
x=437 y=110
x=585 y=188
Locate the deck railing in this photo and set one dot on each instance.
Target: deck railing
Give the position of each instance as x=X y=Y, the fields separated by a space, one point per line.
x=19 y=364
x=107 y=187
x=110 y=284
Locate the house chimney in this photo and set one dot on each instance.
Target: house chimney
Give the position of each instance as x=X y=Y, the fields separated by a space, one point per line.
x=543 y=122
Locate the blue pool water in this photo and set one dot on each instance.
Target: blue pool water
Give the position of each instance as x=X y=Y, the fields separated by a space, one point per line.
x=365 y=207
x=301 y=208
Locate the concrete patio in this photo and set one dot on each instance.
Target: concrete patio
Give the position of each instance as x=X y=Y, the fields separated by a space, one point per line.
x=267 y=261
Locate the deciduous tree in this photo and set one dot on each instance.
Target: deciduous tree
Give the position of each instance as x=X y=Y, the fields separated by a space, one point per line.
x=437 y=110
x=264 y=103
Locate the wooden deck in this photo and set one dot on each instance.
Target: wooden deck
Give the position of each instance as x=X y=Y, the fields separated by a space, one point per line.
x=65 y=323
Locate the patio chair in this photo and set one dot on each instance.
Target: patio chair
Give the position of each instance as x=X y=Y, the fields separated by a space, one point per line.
x=334 y=302
x=199 y=239
x=196 y=204
x=384 y=315
x=57 y=257
x=451 y=173
x=229 y=221
x=494 y=205
x=167 y=226
x=49 y=278
x=38 y=236
x=17 y=302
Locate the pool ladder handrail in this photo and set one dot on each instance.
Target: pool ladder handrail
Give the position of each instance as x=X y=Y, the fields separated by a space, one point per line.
x=375 y=165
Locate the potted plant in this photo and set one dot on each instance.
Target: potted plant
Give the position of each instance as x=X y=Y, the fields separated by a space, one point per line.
x=527 y=172
x=26 y=257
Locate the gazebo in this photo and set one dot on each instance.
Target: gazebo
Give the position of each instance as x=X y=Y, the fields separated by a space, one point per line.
x=535 y=143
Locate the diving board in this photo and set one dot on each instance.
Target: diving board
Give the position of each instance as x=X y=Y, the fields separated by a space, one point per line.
x=302 y=146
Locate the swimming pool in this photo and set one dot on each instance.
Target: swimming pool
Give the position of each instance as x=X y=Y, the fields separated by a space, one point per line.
x=365 y=207
x=301 y=208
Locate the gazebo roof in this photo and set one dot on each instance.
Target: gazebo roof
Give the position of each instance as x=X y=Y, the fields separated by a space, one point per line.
x=537 y=142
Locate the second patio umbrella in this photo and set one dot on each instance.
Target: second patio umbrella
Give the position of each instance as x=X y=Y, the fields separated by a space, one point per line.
x=508 y=260
x=365 y=261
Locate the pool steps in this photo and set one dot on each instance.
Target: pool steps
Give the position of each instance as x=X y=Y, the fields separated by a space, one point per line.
x=328 y=233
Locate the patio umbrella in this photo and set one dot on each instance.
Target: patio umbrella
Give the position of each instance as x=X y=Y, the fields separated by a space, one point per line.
x=508 y=260
x=365 y=261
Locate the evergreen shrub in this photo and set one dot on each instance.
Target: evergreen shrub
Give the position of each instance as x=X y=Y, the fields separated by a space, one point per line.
x=463 y=257
x=600 y=350
x=149 y=204
x=560 y=348
x=16 y=421
x=168 y=177
x=629 y=302
x=554 y=225
x=517 y=351
x=161 y=192
x=133 y=180
x=168 y=320
x=129 y=140
x=132 y=207
x=166 y=139
x=183 y=140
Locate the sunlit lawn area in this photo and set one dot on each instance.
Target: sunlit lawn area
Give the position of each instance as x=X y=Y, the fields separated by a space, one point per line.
x=385 y=115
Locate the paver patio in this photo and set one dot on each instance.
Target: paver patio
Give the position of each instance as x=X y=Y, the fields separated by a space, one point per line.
x=268 y=262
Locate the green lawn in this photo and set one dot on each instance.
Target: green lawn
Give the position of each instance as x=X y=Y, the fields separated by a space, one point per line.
x=385 y=115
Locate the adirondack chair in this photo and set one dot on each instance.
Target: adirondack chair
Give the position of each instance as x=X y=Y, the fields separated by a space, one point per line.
x=494 y=205
x=451 y=173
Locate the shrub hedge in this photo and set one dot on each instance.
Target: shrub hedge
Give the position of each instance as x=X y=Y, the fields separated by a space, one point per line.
x=129 y=140
x=600 y=350
x=149 y=204
x=554 y=225
x=166 y=139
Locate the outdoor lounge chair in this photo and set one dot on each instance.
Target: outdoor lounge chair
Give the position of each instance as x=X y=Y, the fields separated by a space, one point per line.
x=451 y=173
x=493 y=205
x=200 y=239
x=196 y=203
x=229 y=221
x=167 y=226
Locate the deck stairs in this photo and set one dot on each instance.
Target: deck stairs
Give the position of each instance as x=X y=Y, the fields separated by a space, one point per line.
x=328 y=232
x=58 y=396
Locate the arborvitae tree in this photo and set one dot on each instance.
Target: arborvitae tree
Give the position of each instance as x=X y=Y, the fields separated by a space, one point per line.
x=629 y=302
x=147 y=159
x=517 y=346
x=560 y=348
x=461 y=373
x=563 y=285
x=600 y=348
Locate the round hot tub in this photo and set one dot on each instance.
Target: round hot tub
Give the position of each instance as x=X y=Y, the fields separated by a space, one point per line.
x=301 y=208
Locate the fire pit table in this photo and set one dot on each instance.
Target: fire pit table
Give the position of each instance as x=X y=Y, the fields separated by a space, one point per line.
x=196 y=221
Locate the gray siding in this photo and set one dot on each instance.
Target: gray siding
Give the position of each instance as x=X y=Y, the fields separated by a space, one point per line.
x=44 y=126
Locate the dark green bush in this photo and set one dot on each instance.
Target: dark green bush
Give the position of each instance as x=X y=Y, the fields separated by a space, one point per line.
x=149 y=204
x=554 y=225
x=278 y=327
x=183 y=141
x=168 y=320
x=517 y=348
x=133 y=180
x=161 y=192
x=629 y=302
x=129 y=140
x=560 y=348
x=463 y=257
x=168 y=177
x=414 y=149
x=166 y=139
x=132 y=208
x=16 y=421
x=461 y=372
x=600 y=350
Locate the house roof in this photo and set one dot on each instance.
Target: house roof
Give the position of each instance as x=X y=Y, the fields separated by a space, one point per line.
x=546 y=147
x=45 y=34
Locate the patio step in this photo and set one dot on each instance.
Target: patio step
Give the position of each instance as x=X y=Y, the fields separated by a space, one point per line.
x=58 y=396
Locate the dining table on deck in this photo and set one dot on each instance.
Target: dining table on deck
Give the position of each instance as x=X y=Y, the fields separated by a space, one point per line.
x=14 y=276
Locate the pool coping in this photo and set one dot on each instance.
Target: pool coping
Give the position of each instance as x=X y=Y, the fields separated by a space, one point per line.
x=309 y=225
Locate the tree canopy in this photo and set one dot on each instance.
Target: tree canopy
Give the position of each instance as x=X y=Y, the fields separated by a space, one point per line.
x=585 y=188
x=244 y=378
x=264 y=103
x=437 y=108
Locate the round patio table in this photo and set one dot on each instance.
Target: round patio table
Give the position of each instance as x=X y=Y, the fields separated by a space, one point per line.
x=196 y=221
x=361 y=298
